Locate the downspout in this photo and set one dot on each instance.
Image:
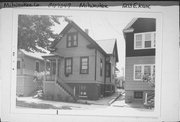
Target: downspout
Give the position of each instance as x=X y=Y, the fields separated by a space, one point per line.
x=95 y=64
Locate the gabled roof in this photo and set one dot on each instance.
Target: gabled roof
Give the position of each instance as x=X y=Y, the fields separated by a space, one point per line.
x=35 y=55
x=107 y=45
x=128 y=26
x=74 y=25
x=104 y=46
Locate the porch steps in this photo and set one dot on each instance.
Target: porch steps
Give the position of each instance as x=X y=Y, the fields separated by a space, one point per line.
x=66 y=88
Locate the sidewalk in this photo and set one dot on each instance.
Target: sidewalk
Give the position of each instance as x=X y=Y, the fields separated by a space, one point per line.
x=31 y=102
x=102 y=101
x=120 y=102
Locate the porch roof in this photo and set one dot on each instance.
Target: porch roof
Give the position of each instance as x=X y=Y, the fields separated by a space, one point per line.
x=51 y=56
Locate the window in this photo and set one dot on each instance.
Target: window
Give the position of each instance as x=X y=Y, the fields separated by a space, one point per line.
x=82 y=91
x=144 y=40
x=101 y=67
x=72 y=39
x=138 y=71
x=68 y=65
x=84 y=65
x=108 y=69
x=138 y=39
x=53 y=67
x=37 y=66
x=142 y=70
x=138 y=94
x=18 y=64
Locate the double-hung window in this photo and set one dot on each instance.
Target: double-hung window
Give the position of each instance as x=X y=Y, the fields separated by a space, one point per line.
x=144 y=40
x=68 y=65
x=37 y=66
x=84 y=65
x=141 y=70
x=72 y=39
x=138 y=95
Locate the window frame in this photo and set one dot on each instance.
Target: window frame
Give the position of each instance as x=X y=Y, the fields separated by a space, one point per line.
x=135 y=96
x=82 y=88
x=19 y=64
x=36 y=66
x=71 y=41
x=87 y=64
x=142 y=70
x=153 y=40
x=65 y=65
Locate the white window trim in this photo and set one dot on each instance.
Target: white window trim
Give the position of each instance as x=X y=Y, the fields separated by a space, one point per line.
x=142 y=69
x=143 y=41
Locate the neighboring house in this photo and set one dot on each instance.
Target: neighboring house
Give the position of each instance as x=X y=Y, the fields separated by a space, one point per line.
x=120 y=82
x=80 y=67
x=27 y=64
x=140 y=40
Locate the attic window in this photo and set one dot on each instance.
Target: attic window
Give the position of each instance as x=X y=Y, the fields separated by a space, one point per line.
x=72 y=39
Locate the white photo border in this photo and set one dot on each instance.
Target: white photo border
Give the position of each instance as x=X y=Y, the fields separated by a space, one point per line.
x=112 y=112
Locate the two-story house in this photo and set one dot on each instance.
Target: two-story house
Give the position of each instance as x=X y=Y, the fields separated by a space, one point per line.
x=80 y=67
x=140 y=37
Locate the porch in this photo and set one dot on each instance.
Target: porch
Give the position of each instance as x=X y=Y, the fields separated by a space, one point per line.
x=54 y=87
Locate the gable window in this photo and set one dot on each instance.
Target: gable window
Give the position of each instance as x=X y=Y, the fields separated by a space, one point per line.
x=138 y=95
x=84 y=65
x=101 y=67
x=72 y=39
x=144 y=40
x=37 y=66
x=68 y=65
x=141 y=70
x=18 y=64
x=108 y=69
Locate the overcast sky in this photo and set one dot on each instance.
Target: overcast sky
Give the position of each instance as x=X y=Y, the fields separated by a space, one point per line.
x=102 y=25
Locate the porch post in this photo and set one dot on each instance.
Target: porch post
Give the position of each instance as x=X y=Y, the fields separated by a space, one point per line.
x=145 y=99
x=45 y=70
